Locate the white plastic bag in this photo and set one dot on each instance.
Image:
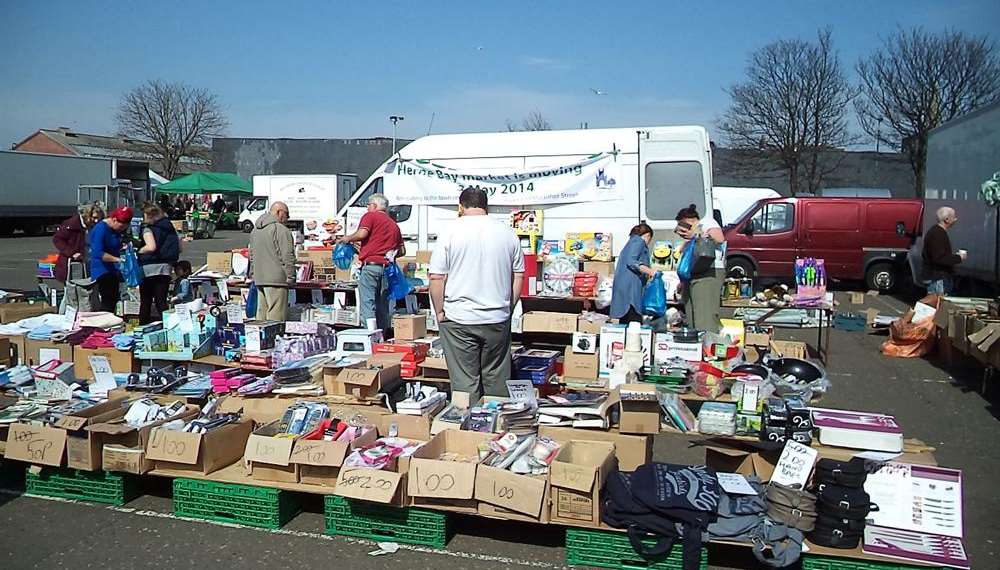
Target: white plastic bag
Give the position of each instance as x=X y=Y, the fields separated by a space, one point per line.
x=604 y=287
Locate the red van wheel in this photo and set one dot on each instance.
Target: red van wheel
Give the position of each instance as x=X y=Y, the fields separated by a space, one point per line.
x=739 y=267
x=881 y=276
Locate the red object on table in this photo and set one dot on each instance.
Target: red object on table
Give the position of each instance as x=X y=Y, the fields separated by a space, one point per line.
x=530 y=270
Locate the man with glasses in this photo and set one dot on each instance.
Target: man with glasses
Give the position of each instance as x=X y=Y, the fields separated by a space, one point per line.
x=272 y=263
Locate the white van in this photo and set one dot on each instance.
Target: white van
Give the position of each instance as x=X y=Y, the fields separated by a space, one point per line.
x=656 y=172
x=732 y=201
x=310 y=198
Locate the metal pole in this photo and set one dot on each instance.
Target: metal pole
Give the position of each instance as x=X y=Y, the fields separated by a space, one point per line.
x=395 y=119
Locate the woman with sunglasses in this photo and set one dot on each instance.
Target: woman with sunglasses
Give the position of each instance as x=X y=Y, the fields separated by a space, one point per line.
x=70 y=239
x=702 y=294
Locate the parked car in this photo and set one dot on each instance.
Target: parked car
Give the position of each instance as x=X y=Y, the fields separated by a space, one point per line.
x=859 y=238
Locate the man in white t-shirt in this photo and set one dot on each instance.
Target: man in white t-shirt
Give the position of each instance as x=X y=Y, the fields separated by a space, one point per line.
x=476 y=275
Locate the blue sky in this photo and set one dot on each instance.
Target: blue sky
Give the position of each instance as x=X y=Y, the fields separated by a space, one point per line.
x=339 y=69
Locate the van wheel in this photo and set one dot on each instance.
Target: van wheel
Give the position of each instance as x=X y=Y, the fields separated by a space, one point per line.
x=247 y=226
x=739 y=267
x=881 y=276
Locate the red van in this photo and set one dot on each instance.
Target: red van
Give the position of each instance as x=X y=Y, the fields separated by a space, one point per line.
x=860 y=238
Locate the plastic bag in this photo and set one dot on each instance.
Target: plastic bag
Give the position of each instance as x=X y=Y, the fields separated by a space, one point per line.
x=605 y=287
x=685 y=267
x=343 y=256
x=909 y=339
x=654 y=298
x=399 y=287
x=251 y=304
x=130 y=268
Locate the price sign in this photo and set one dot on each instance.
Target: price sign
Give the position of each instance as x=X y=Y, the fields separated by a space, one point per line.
x=367 y=484
x=104 y=377
x=521 y=390
x=795 y=464
x=223 y=290
x=183 y=313
x=234 y=313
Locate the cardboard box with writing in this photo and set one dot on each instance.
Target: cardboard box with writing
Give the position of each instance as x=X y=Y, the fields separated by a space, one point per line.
x=124 y=446
x=790 y=348
x=268 y=458
x=742 y=461
x=542 y=321
x=381 y=373
x=630 y=450
x=409 y=327
x=261 y=409
x=580 y=366
x=613 y=346
x=64 y=443
x=16 y=351
x=446 y=484
x=576 y=478
x=121 y=361
x=13 y=312
x=507 y=495
x=220 y=262
x=41 y=351
x=640 y=416
x=591 y=323
x=319 y=461
x=386 y=486
x=203 y=453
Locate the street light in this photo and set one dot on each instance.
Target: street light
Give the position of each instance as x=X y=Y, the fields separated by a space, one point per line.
x=395 y=119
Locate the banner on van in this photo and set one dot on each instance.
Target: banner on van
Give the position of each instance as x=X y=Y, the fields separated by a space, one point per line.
x=595 y=178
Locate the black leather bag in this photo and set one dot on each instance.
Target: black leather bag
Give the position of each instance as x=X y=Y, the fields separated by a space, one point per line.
x=844 y=502
x=837 y=535
x=703 y=256
x=843 y=473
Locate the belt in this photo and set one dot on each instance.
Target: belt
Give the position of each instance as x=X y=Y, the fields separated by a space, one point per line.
x=378 y=264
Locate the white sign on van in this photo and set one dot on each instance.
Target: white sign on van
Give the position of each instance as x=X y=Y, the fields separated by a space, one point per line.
x=425 y=182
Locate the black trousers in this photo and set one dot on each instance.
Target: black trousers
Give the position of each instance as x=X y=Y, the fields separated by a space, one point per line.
x=108 y=290
x=153 y=298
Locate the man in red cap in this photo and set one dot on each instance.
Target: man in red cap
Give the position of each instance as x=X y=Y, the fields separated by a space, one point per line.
x=105 y=249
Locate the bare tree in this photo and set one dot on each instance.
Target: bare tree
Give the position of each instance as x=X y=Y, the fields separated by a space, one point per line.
x=174 y=119
x=792 y=109
x=535 y=121
x=919 y=80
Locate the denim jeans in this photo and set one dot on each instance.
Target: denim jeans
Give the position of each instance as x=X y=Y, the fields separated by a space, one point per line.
x=940 y=286
x=373 y=296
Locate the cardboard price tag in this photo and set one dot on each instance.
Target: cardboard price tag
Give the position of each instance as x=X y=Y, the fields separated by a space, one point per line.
x=441 y=479
x=223 y=290
x=173 y=445
x=234 y=313
x=503 y=488
x=368 y=484
x=271 y=450
x=104 y=377
x=521 y=390
x=42 y=445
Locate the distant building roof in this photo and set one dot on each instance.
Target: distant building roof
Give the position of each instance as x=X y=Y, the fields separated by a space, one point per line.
x=103 y=146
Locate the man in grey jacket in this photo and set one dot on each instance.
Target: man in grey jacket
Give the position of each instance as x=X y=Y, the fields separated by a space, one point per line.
x=272 y=263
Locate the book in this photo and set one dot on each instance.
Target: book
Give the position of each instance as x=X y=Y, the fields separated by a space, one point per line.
x=572 y=405
x=858 y=430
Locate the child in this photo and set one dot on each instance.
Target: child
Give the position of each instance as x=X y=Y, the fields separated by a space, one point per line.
x=182 y=287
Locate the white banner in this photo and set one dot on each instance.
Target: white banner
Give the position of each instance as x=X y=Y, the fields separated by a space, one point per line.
x=424 y=182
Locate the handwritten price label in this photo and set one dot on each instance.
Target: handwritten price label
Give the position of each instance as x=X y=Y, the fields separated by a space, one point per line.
x=170 y=445
x=368 y=484
x=42 y=445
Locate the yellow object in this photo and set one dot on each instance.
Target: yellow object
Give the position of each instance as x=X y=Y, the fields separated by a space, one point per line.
x=591 y=246
x=733 y=328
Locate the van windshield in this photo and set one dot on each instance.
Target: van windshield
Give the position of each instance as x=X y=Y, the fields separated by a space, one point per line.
x=375 y=187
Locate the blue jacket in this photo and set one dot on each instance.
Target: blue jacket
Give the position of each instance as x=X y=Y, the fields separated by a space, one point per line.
x=103 y=240
x=627 y=289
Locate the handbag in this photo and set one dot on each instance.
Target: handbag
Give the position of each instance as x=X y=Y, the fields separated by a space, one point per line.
x=251 y=304
x=838 y=533
x=844 y=502
x=844 y=473
x=793 y=507
x=703 y=255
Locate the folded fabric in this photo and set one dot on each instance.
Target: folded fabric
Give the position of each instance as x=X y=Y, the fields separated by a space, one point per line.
x=123 y=341
x=43 y=332
x=101 y=320
x=99 y=339
x=23 y=326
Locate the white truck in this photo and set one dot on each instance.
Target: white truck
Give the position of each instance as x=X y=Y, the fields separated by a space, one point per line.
x=311 y=199
x=732 y=201
x=961 y=155
x=593 y=180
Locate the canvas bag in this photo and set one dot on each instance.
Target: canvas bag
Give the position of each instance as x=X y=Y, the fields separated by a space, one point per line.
x=82 y=295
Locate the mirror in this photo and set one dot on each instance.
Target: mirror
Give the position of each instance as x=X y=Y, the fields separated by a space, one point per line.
x=748 y=229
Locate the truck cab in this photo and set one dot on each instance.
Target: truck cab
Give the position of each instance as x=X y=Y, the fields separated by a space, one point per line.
x=254 y=209
x=859 y=238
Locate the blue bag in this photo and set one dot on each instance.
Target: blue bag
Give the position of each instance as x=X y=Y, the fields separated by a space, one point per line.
x=399 y=287
x=654 y=297
x=685 y=267
x=130 y=268
x=251 y=306
x=343 y=256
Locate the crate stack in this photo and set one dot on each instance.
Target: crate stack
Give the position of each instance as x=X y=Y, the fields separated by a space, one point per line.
x=379 y=522
x=93 y=486
x=261 y=507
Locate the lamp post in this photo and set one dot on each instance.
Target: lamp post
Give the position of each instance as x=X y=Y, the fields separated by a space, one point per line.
x=395 y=119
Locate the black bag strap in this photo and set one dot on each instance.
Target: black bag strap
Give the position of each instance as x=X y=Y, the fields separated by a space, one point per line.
x=661 y=548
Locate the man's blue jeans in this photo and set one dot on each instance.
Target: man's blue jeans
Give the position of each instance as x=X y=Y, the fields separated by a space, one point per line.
x=940 y=286
x=373 y=296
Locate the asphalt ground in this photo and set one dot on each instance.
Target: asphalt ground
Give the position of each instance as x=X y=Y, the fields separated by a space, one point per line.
x=938 y=404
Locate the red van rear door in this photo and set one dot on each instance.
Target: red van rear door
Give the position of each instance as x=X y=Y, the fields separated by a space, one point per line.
x=831 y=230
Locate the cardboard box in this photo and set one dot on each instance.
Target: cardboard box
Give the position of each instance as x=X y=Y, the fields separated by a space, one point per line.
x=261 y=409
x=13 y=312
x=591 y=323
x=640 y=416
x=386 y=486
x=742 y=461
x=124 y=446
x=601 y=267
x=405 y=426
x=16 y=350
x=576 y=478
x=198 y=452
x=220 y=262
x=121 y=361
x=630 y=450
x=319 y=461
x=666 y=348
x=790 y=348
x=524 y=495
x=268 y=457
x=363 y=382
x=6 y=354
x=542 y=321
x=424 y=256
x=409 y=327
x=580 y=366
x=66 y=442
x=450 y=483
x=613 y=345
x=41 y=351
x=319 y=257
x=760 y=340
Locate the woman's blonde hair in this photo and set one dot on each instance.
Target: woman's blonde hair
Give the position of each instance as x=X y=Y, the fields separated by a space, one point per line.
x=90 y=211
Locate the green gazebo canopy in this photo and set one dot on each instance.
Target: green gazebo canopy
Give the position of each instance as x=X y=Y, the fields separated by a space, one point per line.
x=207 y=183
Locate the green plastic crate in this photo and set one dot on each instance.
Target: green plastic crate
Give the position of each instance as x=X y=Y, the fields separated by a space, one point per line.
x=606 y=549
x=93 y=486
x=813 y=562
x=246 y=505
x=380 y=522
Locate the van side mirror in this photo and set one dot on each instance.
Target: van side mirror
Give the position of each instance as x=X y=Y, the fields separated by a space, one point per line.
x=748 y=229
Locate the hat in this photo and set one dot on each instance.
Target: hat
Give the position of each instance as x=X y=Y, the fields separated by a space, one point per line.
x=122 y=214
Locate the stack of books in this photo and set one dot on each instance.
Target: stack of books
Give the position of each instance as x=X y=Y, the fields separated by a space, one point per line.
x=580 y=410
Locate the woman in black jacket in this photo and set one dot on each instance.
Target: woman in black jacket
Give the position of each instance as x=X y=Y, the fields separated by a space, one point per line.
x=161 y=249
